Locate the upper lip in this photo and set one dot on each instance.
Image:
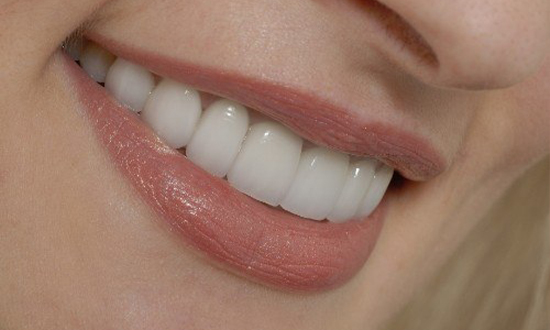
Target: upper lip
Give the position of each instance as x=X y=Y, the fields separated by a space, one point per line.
x=316 y=119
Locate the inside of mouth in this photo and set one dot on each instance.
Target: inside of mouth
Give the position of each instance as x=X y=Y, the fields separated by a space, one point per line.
x=257 y=155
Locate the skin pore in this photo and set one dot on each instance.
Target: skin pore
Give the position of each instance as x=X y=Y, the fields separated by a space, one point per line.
x=80 y=250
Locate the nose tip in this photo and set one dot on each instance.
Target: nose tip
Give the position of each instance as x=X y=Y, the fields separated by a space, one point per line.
x=479 y=44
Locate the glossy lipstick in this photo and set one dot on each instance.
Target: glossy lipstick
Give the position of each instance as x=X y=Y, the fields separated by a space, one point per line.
x=264 y=244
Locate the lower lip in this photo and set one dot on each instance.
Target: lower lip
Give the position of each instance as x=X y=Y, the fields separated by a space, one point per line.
x=260 y=243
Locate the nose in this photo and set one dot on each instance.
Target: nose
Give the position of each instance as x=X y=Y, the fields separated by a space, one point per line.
x=478 y=44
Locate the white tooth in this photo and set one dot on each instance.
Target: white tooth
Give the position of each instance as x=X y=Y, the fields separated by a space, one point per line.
x=377 y=189
x=359 y=178
x=218 y=136
x=172 y=111
x=266 y=165
x=96 y=61
x=129 y=83
x=319 y=180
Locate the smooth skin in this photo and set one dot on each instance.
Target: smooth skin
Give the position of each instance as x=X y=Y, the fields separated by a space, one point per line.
x=80 y=250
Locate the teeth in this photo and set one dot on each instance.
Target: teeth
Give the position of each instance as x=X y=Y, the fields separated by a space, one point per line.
x=319 y=180
x=129 y=83
x=173 y=111
x=359 y=178
x=377 y=189
x=96 y=61
x=267 y=162
x=218 y=137
x=260 y=157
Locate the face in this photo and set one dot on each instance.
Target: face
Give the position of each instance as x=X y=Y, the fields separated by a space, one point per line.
x=106 y=225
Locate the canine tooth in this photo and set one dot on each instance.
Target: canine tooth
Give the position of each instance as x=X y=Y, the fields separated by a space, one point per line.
x=129 y=83
x=172 y=111
x=266 y=165
x=96 y=61
x=376 y=191
x=359 y=178
x=218 y=136
x=320 y=177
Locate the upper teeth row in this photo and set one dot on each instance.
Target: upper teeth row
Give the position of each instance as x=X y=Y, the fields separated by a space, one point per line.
x=260 y=158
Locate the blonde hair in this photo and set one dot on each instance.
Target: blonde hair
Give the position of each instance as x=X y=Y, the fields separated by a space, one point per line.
x=499 y=279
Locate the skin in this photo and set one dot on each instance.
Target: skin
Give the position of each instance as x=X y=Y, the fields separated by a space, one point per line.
x=79 y=249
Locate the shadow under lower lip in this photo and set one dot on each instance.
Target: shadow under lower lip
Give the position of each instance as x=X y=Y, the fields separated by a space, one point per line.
x=263 y=244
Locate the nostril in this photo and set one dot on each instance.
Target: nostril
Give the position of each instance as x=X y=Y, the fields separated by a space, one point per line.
x=401 y=32
x=473 y=45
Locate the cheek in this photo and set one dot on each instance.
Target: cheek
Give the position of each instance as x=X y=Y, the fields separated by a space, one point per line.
x=528 y=108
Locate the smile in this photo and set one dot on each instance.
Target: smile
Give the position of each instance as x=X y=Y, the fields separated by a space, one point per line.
x=233 y=182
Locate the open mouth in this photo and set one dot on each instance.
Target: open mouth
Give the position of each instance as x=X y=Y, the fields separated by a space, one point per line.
x=232 y=182
x=256 y=155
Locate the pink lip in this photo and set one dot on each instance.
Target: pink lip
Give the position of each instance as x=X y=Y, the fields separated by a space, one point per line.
x=263 y=244
x=315 y=119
